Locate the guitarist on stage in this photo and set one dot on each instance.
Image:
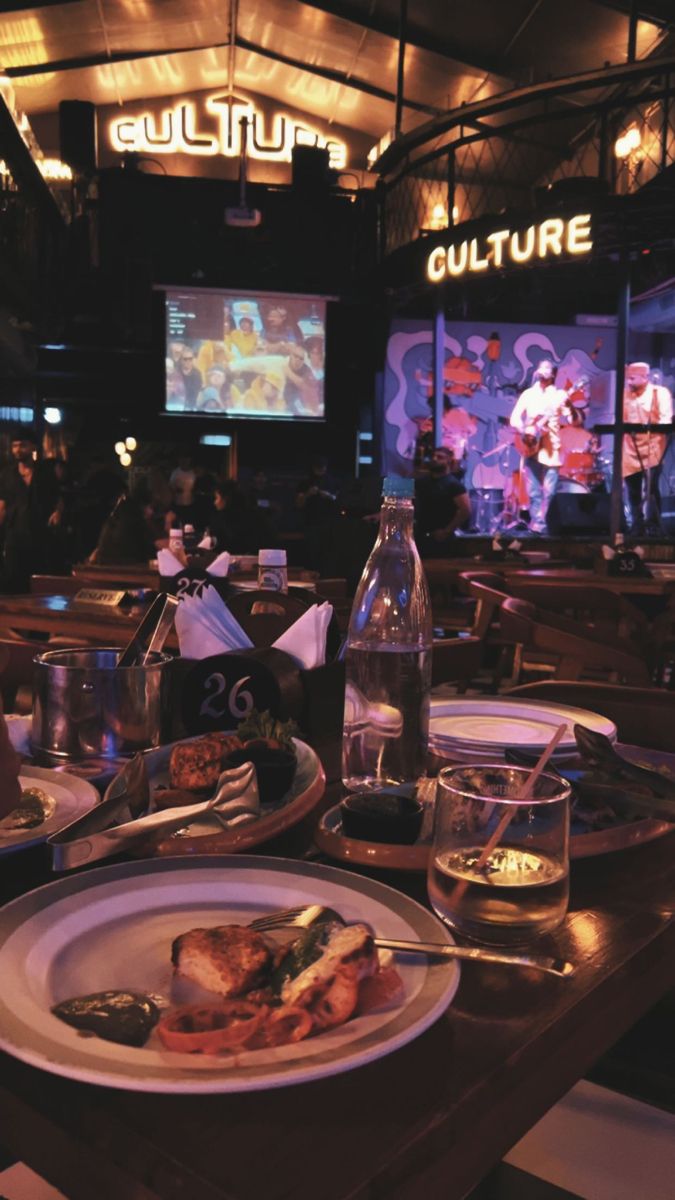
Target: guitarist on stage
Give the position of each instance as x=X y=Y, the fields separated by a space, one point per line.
x=537 y=415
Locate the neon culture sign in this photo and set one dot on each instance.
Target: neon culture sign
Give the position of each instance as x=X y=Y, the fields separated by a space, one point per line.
x=550 y=239
x=178 y=130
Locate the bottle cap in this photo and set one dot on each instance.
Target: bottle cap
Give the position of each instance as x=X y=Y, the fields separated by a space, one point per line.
x=272 y=558
x=398 y=487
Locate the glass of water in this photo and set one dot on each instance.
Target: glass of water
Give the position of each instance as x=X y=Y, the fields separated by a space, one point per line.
x=499 y=866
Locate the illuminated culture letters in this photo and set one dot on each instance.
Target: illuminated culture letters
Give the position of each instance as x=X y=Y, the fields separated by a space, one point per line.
x=550 y=239
x=181 y=129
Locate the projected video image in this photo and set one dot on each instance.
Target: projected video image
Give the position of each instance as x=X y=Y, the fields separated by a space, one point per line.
x=259 y=356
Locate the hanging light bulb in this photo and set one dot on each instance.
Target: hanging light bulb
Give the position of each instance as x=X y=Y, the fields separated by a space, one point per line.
x=131 y=443
x=125 y=459
x=120 y=448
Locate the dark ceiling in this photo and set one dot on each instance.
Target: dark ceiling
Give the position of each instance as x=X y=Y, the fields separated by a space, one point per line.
x=336 y=61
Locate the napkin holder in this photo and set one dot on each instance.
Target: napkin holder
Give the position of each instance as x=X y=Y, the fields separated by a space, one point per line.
x=265 y=615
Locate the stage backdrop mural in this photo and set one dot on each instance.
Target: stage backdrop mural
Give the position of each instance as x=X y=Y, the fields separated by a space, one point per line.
x=486 y=368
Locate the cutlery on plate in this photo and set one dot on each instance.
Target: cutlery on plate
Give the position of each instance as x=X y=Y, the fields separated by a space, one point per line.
x=311 y=914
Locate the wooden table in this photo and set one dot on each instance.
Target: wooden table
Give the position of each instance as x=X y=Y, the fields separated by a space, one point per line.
x=62 y=615
x=111 y=576
x=623 y=585
x=428 y=1120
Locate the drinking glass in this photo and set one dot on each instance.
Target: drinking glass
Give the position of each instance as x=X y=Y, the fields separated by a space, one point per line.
x=499 y=866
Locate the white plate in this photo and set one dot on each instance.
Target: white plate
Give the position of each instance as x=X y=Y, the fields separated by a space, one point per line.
x=112 y=928
x=74 y=797
x=492 y=724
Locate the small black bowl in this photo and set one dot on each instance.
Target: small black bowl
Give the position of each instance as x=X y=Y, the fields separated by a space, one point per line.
x=382 y=817
x=275 y=769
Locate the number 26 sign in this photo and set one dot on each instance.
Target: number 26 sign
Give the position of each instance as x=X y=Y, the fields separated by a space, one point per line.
x=221 y=691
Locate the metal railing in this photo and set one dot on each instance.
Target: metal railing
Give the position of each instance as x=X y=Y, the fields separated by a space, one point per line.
x=616 y=125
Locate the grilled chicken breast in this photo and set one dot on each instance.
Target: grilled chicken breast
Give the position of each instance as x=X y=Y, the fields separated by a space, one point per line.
x=195 y=765
x=227 y=959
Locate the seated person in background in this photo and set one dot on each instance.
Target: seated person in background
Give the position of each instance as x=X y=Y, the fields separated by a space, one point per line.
x=244 y=339
x=182 y=483
x=441 y=505
x=315 y=496
x=126 y=536
x=260 y=495
x=235 y=524
x=301 y=389
x=32 y=507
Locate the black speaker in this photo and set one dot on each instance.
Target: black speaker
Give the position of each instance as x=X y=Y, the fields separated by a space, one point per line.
x=310 y=170
x=77 y=134
x=583 y=512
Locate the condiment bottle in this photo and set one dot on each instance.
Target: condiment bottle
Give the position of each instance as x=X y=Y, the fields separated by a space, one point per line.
x=272 y=570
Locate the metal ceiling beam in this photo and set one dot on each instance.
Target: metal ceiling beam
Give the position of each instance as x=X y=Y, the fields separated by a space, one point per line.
x=16 y=6
x=624 y=7
x=416 y=37
x=341 y=77
x=123 y=56
x=550 y=89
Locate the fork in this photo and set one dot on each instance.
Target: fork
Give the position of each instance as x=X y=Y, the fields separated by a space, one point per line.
x=307 y=915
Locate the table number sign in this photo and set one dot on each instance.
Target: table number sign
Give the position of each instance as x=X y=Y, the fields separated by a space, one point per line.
x=220 y=691
x=627 y=562
x=192 y=580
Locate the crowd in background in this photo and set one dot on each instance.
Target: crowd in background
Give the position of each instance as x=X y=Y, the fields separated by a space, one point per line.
x=54 y=513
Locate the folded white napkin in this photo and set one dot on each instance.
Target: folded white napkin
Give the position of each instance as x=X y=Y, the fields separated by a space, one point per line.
x=205 y=626
x=220 y=565
x=207 y=542
x=236 y=801
x=305 y=640
x=168 y=564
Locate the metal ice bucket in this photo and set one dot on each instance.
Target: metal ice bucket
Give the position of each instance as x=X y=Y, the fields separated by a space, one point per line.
x=84 y=706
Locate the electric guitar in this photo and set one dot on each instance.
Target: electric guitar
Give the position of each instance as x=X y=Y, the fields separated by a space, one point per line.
x=529 y=444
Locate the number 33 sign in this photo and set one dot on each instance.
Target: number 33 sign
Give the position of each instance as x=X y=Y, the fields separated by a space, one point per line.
x=221 y=691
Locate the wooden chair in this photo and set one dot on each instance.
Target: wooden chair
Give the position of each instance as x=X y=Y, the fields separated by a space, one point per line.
x=456 y=660
x=450 y=608
x=571 y=646
x=603 y=611
x=643 y=716
x=489 y=591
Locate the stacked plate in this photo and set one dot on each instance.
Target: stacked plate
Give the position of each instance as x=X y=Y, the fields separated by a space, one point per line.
x=463 y=728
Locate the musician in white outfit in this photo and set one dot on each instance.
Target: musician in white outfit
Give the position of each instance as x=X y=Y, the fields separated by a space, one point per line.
x=644 y=403
x=537 y=415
